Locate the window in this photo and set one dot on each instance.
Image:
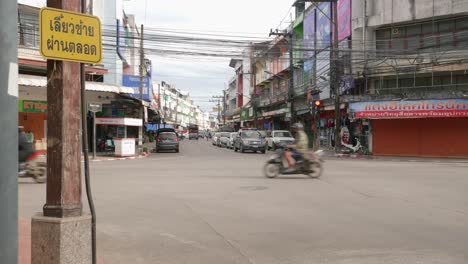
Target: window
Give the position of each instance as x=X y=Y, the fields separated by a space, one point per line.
x=461 y=24
x=30 y=35
x=423 y=82
x=443 y=34
x=446 y=26
x=462 y=81
x=250 y=134
x=428 y=28
x=406 y=83
x=282 y=134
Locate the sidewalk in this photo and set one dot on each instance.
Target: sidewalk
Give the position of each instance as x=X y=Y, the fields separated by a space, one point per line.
x=330 y=154
x=110 y=157
x=24 y=243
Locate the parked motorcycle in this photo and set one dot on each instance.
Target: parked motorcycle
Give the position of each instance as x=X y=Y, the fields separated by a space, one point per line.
x=34 y=167
x=349 y=148
x=310 y=164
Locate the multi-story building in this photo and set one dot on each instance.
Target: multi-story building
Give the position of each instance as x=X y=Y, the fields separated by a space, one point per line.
x=411 y=92
x=402 y=75
x=233 y=96
x=176 y=107
x=269 y=64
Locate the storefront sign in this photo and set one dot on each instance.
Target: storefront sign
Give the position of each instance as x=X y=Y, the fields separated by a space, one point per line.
x=69 y=36
x=29 y=106
x=276 y=112
x=95 y=107
x=119 y=121
x=133 y=81
x=410 y=109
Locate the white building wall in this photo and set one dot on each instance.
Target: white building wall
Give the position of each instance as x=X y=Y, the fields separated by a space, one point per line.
x=109 y=11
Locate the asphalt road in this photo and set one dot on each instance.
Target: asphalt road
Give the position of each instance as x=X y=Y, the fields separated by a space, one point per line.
x=210 y=205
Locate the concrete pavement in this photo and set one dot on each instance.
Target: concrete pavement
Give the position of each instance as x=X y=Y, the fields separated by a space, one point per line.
x=211 y=205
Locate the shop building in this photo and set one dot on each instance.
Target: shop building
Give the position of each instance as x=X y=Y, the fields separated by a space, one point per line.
x=413 y=83
x=427 y=128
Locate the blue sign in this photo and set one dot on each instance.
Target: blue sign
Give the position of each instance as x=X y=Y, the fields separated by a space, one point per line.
x=133 y=81
x=323 y=26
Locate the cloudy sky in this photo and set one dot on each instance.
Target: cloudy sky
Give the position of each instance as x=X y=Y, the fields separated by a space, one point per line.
x=203 y=77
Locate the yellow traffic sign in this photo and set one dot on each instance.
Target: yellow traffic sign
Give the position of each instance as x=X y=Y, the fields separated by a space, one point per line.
x=70 y=36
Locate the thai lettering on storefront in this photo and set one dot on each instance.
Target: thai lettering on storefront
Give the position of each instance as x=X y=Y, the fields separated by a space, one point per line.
x=32 y=106
x=410 y=109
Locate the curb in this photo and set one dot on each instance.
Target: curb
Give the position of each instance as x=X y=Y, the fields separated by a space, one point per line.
x=353 y=156
x=393 y=159
x=100 y=159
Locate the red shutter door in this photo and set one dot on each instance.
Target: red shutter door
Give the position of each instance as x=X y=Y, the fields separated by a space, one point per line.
x=395 y=137
x=431 y=137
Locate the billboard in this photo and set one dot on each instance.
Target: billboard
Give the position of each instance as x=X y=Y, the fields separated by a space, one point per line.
x=133 y=81
x=323 y=74
x=323 y=27
x=344 y=19
x=309 y=34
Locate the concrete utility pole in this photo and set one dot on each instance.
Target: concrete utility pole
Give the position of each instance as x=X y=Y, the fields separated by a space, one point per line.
x=336 y=77
x=217 y=100
x=254 y=95
x=290 y=36
x=62 y=234
x=224 y=107
x=9 y=133
x=142 y=114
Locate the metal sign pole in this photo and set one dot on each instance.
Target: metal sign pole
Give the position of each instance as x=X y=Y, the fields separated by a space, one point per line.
x=94 y=135
x=94 y=108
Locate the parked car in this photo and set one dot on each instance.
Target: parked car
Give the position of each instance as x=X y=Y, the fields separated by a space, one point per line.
x=167 y=139
x=224 y=139
x=232 y=136
x=215 y=137
x=276 y=137
x=249 y=140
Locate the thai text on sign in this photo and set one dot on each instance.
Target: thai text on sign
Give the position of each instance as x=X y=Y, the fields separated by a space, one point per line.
x=411 y=109
x=70 y=36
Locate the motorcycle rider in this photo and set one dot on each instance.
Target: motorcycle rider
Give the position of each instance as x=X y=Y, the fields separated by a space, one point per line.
x=300 y=147
x=25 y=148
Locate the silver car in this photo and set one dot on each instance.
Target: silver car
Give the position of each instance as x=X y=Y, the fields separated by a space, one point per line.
x=224 y=139
x=215 y=138
x=278 y=137
x=232 y=136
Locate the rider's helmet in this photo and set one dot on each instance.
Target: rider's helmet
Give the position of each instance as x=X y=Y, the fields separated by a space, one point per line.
x=297 y=126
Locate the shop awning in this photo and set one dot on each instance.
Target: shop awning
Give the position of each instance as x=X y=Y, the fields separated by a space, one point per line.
x=41 y=81
x=303 y=111
x=275 y=112
x=114 y=121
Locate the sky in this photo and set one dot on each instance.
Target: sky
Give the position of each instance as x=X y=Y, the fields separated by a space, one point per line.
x=207 y=77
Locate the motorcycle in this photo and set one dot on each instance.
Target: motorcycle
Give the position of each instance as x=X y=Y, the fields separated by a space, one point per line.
x=350 y=148
x=309 y=164
x=34 y=167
